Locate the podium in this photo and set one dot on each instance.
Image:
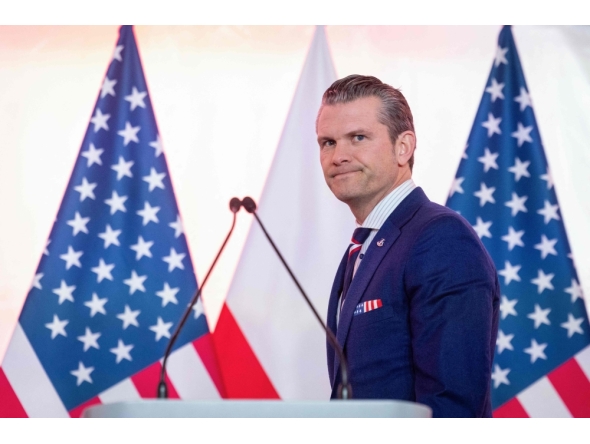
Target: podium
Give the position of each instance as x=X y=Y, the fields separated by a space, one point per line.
x=166 y=408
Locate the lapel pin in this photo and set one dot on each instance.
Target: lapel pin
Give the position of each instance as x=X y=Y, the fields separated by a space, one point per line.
x=381 y=242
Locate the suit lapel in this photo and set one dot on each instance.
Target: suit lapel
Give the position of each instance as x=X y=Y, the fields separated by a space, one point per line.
x=337 y=287
x=380 y=245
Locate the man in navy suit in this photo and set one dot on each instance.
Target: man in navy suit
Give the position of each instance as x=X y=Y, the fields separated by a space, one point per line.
x=415 y=299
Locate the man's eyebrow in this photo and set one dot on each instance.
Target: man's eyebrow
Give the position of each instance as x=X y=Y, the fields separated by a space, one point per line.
x=324 y=139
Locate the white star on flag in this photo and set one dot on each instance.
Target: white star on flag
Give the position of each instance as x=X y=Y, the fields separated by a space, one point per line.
x=122 y=351
x=103 y=271
x=142 y=248
x=86 y=189
x=110 y=236
x=162 y=329
x=149 y=213
x=107 y=87
x=575 y=291
x=174 y=260
x=117 y=203
x=96 y=305
x=522 y=134
x=549 y=212
x=198 y=309
x=46 y=251
x=456 y=186
x=135 y=282
x=135 y=99
x=168 y=294
x=100 y=120
x=520 y=169
x=129 y=317
x=488 y=160
x=547 y=178
x=89 y=339
x=546 y=246
x=536 y=351
x=482 y=228
x=516 y=204
x=37 y=281
x=543 y=281
x=507 y=307
x=504 y=341
x=117 y=53
x=57 y=327
x=123 y=168
x=65 y=292
x=92 y=155
x=510 y=272
x=485 y=194
x=177 y=225
x=540 y=316
x=524 y=99
x=514 y=238
x=154 y=179
x=573 y=325
x=78 y=223
x=495 y=89
x=129 y=134
x=500 y=56
x=72 y=258
x=500 y=376
x=157 y=145
x=492 y=125
x=82 y=374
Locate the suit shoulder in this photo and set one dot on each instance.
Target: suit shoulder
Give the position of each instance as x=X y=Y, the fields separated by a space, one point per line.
x=433 y=216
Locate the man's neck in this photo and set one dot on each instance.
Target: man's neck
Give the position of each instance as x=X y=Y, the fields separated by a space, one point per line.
x=362 y=210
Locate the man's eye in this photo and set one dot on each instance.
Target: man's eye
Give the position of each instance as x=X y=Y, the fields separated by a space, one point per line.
x=359 y=137
x=329 y=143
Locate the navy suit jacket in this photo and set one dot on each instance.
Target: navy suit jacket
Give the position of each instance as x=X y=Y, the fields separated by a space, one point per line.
x=433 y=339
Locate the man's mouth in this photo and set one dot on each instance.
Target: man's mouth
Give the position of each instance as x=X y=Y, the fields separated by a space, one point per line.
x=343 y=173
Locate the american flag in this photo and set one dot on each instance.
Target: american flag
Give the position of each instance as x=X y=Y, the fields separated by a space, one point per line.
x=504 y=188
x=116 y=274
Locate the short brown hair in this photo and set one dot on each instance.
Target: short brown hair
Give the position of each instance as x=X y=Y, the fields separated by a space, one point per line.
x=395 y=112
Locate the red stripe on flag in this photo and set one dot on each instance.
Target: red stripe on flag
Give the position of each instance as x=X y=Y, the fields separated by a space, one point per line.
x=243 y=376
x=512 y=409
x=77 y=412
x=146 y=382
x=10 y=406
x=206 y=350
x=573 y=387
x=379 y=303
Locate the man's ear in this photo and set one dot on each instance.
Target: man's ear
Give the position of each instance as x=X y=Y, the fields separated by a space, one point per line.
x=404 y=146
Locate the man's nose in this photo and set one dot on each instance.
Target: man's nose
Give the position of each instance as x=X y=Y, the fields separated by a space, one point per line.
x=341 y=154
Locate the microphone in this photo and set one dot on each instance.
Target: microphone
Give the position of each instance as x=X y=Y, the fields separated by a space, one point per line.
x=234 y=205
x=344 y=388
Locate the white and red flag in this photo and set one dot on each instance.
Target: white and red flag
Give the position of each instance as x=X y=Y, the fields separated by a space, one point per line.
x=269 y=345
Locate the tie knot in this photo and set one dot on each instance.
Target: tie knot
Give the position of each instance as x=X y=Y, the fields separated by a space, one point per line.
x=360 y=235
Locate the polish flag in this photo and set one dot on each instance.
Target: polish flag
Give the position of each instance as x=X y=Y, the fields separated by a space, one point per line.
x=268 y=343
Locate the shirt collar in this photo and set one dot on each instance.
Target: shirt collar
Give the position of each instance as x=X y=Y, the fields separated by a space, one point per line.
x=385 y=207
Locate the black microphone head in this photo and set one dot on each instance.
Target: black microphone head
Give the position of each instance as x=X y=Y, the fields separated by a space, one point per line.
x=249 y=204
x=235 y=204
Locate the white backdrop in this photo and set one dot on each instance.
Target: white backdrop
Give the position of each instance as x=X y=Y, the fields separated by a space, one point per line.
x=221 y=96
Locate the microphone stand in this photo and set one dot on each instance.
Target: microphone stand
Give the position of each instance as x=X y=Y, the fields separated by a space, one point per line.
x=234 y=205
x=344 y=389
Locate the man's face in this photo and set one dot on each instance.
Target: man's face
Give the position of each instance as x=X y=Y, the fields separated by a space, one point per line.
x=356 y=153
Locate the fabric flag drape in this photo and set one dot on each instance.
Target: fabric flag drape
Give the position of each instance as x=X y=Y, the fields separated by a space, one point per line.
x=504 y=188
x=116 y=274
x=268 y=343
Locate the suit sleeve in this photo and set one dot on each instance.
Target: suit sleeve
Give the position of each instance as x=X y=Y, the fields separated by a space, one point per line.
x=453 y=291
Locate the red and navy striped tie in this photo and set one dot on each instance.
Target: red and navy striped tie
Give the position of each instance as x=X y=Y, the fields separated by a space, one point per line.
x=359 y=236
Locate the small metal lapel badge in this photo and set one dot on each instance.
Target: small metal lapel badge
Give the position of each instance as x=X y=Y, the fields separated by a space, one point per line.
x=381 y=242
